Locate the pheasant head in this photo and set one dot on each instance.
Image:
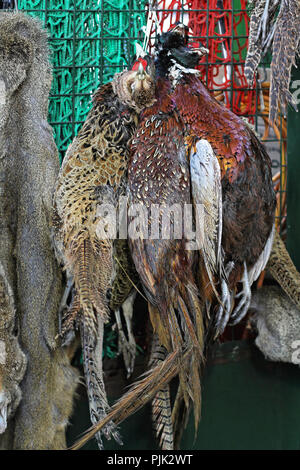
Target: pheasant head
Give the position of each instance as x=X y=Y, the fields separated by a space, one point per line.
x=136 y=87
x=173 y=52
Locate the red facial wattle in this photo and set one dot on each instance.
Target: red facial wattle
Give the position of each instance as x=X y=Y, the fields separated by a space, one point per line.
x=138 y=62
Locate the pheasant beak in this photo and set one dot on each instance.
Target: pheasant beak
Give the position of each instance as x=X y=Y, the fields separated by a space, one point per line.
x=3 y=412
x=180 y=28
x=141 y=74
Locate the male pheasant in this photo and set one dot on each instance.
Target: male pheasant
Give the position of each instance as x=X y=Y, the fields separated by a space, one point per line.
x=244 y=211
x=189 y=144
x=230 y=179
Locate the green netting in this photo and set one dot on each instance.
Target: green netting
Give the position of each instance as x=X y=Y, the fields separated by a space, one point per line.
x=91 y=40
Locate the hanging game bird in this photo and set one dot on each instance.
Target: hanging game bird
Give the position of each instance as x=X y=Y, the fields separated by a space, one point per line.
x=248 y=199
x=275 y=23
x=189 y=148
x=159 y=175
x=93 y=173
x=188 y=136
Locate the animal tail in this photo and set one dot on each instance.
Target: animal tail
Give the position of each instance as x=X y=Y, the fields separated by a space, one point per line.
x=180 y=416
x=93 y=370
x=283 y=270
x=161 y=403
x=179 y=325
x=92 y=269
x=191 y=317
x=139 y=394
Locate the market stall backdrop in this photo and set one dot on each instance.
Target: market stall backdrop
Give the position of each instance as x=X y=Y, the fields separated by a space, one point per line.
x=93 y=39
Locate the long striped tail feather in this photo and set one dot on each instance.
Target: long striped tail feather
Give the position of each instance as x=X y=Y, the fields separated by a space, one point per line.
x=282 y=268
x=93 y=271
x=92 y=346
x=161 y=403
x=180 y=416
x=139 y=394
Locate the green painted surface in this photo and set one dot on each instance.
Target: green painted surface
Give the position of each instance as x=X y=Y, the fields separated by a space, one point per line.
x=248 y=403
x=90 y=41
x=293 y=195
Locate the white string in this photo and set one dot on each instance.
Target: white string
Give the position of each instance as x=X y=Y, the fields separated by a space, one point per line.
x=152 y=18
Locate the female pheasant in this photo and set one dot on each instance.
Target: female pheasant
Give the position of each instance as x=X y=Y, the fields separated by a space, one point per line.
x=94 y=173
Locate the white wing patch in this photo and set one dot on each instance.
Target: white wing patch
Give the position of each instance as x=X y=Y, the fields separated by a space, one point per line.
x=207 y=191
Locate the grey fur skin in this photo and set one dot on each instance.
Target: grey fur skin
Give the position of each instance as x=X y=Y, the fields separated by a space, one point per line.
x=28 y=169
x=12 y=359
x=277 y=320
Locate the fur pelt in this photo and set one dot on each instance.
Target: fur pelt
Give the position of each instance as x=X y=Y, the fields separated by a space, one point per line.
x=277 y=321
x=29 y=166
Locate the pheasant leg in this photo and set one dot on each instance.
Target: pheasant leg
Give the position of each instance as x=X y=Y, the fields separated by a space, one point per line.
x=127 y=308
x=226 y=303
x=245 y=298
x=127 y=347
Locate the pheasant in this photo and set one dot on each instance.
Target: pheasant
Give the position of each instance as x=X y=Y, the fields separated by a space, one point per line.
x=230 y=179
x=188 y=148
x=228 y=173
x=159 y=176
x=246 y=215
x=275 y=24
x=94 y=174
